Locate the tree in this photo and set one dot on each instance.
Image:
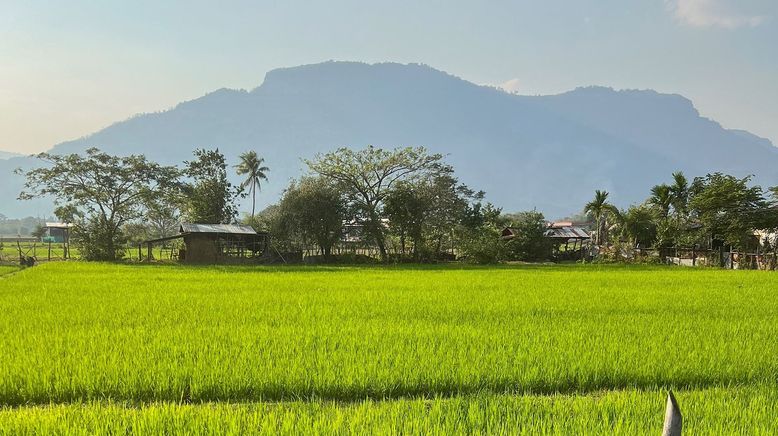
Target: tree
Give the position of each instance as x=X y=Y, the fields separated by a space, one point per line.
x=479 y=234
x=638 y=226
x=662 y=199
x=314 y=209
x=405 y=207
x=599 y=208
x=108 y=191
x=729 y=208
x=530 y=242
x=210 y=197
x=679 y=191
x=251 y=166
x=368 y=174
x=39 y=231
x=428 y=209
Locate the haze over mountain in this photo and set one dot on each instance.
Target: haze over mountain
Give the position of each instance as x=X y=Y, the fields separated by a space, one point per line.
x=544 y=152
x=8 y=155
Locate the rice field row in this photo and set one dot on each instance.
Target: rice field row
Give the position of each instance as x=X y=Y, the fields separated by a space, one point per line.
x=714 y=411
x=386 y=349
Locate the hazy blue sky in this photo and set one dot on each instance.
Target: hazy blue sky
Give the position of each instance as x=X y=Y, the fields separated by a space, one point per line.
x=68 y=68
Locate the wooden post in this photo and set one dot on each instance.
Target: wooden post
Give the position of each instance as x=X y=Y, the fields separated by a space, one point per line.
x=694 y=256
x=673 y=419
x=140 y=252
x=49 y=248
x=150 y=254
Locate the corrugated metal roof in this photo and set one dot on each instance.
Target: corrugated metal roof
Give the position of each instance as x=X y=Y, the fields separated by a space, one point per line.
x=59 y=225
x=571 y=232
x=234 y=229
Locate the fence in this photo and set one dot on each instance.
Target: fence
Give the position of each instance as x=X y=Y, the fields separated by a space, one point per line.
x=12 y=249
x=766 y=261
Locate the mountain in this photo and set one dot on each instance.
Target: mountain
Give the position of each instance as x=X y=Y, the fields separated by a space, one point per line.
x=8 y=155
x=544 y=152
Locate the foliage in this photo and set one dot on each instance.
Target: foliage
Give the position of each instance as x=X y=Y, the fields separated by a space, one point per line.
x=638 y=226
x=482 y=245
x=600 y=209
x=314 y=210
x=209 y=198
x=428 y=210
x=108 y=191
x=368 y=174
x=478 y=234
x=98 y=239
x=251 y=166
x=729 y=208
x=530 y=243
x=679 y=192
x=406 y=207
x=39 y=231
x=105 y=348
x=662 y=199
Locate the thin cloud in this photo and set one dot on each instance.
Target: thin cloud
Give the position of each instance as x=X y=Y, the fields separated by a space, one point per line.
x=725 y=14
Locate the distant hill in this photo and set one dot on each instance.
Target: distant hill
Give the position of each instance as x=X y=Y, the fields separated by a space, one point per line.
x=8 y=155
x=544 y=152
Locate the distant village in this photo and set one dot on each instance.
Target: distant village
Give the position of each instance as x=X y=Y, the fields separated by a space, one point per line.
x=372 y=205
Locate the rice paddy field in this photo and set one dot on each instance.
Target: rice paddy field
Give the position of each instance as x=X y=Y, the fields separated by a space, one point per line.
x=107 y=348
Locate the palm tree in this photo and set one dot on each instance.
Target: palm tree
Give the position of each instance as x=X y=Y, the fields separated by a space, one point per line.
x=661 y=198
x=680 y=193
x=600 y=208
x=251 y=166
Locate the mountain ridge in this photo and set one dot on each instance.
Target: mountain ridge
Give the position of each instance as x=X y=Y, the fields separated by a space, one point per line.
x=548 y=152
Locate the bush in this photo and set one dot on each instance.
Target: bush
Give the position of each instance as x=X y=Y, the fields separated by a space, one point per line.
x=97 y=239
x=483 y=246
x=530 y=243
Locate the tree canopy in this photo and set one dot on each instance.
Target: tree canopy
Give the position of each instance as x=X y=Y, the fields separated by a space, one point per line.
x=108 y=191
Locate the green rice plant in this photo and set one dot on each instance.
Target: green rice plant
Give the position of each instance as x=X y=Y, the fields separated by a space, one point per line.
x=714 y=411
x=130 y=340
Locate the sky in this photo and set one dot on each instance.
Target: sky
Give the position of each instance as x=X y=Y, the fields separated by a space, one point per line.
x=68 y=69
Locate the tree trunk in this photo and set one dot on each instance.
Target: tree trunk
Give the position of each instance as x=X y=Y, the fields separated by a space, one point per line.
x=253 y=199
x=377 y=232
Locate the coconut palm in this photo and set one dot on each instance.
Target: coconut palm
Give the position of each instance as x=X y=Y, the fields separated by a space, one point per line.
x=599 y=208
x=680 y=192
x=251 y=166
x=662 y=199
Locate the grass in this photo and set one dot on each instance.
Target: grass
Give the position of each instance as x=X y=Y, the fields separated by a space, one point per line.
x=7 y=269
x=9 y=251
x=386 y=349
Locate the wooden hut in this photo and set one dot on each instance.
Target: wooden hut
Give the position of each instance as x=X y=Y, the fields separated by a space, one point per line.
x=215 y=243
x=570 y=236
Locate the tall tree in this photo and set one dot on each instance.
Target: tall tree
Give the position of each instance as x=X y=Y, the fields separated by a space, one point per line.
x=209 y=197
x=729 y=209
x=369 y=174
x=108 y=191
x=314 y=210
x=638 y=226
x=662 y=199
x=599 y=208
x=251 y=166
x=406 y=206
x=680 y=193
